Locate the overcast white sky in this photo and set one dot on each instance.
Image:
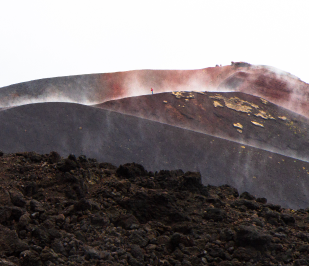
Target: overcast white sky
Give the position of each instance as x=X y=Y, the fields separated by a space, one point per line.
x=40 y=39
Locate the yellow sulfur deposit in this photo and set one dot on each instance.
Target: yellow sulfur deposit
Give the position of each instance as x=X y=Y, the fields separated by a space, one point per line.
x=264 y=115
x=217 y=104
x=178 y=94
x=282 y=118
x=238 y=125
x=181 y=94
x=257 y=124
x=240 y=105
x=264 y=101
x=236 y=103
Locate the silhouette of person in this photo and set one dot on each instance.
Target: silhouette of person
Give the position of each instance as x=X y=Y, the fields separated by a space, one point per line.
x=152 y=90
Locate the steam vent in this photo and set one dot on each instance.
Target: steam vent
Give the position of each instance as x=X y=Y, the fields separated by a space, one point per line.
x=210 y=169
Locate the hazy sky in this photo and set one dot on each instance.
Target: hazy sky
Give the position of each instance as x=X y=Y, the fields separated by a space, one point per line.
x=41 y=39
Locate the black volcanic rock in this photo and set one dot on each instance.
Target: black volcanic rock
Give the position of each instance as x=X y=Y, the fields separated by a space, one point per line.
x=131 y=170
x=67 y=165
x=54 y=157
x=249 y=235
x=125 y=221
x=17 y=198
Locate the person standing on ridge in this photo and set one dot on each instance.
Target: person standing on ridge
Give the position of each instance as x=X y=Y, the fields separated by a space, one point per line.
x=152 y=90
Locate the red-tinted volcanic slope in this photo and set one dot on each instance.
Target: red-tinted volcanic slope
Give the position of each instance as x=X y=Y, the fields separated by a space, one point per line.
x=118 y=138
x=280 y=88
x=231 y=115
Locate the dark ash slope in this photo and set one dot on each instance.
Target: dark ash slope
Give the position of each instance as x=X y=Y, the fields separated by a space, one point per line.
x=117 y=138
x=229 y=115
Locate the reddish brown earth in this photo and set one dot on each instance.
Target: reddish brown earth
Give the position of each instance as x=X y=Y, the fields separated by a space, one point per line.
x=274 y=85
x=282 y=89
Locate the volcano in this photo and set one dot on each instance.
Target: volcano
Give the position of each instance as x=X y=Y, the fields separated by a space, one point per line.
x=249 y=137
x=253 y=137
x=211 y=169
